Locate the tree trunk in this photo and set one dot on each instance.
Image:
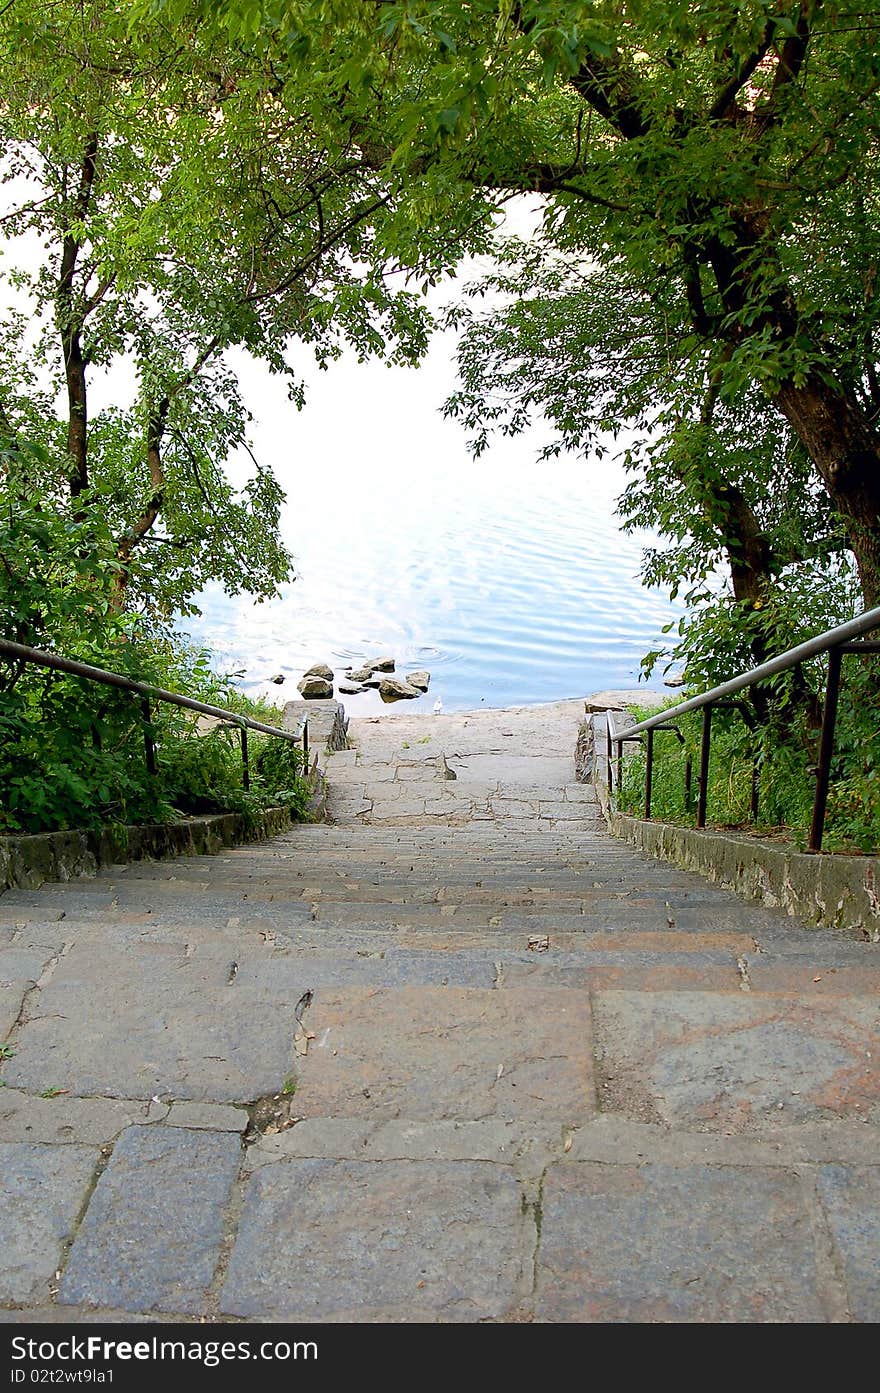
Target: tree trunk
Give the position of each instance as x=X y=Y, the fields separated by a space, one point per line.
x=131 y=539
x=70 y=322
x=77 y=415
x=846 y=453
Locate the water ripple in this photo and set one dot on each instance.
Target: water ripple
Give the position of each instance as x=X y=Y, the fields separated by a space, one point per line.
x=517 y=591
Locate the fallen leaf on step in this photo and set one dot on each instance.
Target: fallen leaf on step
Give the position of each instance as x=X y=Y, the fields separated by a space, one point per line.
x=568 y=1143
x=817 y=979
x=538 y=943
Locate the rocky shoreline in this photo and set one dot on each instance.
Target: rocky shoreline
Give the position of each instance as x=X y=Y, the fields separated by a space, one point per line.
x=317 y=683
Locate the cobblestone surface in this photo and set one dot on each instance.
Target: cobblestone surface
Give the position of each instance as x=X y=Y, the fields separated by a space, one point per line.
x=455 y=1056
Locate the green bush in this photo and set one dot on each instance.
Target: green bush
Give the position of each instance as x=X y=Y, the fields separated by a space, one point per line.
x=783 y=750
x=72 y=751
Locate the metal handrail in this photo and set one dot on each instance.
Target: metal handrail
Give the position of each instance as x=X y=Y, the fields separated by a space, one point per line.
x=835 y=642
x=147 y=692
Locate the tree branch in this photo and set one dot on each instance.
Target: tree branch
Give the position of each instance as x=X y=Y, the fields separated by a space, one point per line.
x=788 y=66
x=602 y=85
x=729 y=92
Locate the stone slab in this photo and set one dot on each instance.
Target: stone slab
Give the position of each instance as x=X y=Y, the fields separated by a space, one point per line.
x=141 y=1021
x=359 y=1241
x=513 y=769
x=12 y=915
x=20 y=968
x=739 y=1060
x=829 y=889
x=851 y=1196
x=659 y=1243
x=152 y=1235
x=428 y=1052
x=209 y=1117
x=63 y=1120
x=320 y=972
x=78 y=1315
x=617 y=1140
x=812 y=977
x=42 y=1189
x=642 y=972
x=342 y=1138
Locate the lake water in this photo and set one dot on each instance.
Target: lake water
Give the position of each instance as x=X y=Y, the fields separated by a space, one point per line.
x=506 y=578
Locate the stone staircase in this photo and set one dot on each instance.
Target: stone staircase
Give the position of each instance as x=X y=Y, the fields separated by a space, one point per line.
x=457 y=1055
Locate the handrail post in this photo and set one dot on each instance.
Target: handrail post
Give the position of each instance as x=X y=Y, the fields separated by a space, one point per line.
x=245 y=761
x=826 y=749
x=149 y=745
x=703 y=781
x=608 y=753
x=756 y=791
x=688 y=783
x=649 y=761
x=619 y=775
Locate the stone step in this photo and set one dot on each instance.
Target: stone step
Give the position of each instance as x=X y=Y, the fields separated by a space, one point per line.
x=440 y=936
x=544 y=878
x=394 y=890
x=575 y=891
x=427 y=931
x=503 y=1056
x=435 y=905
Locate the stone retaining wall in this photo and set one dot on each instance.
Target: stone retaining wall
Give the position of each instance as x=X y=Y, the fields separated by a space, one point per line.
x=829 y=890
x=28 y=861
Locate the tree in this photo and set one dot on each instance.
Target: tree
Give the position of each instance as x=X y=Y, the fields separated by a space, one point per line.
x=184 y=206
x=727 y=146
x=584 y=348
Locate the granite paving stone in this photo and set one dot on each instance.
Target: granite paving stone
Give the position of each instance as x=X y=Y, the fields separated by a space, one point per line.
x=63 y=1120
x=141 y=1021
x=42 y=1189
x=449 y=1052
x=737 y=1060
x=659 y=1243
x=151 y=1238
x=20 y=968
x=851 y=1195
x=389 y=1241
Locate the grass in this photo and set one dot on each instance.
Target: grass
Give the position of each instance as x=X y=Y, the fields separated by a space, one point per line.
x=783 y=762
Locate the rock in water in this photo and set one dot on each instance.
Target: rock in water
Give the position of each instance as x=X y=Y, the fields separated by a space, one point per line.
x=360 y=674
x=419 y=679
x=277 y=679
x=392 y=689
x=320 y=670
x=382 y=665
x=315 y=688
x=347 y=688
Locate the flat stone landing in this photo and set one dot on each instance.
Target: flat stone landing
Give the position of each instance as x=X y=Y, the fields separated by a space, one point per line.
x=513 y=768
x=457 y=1056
